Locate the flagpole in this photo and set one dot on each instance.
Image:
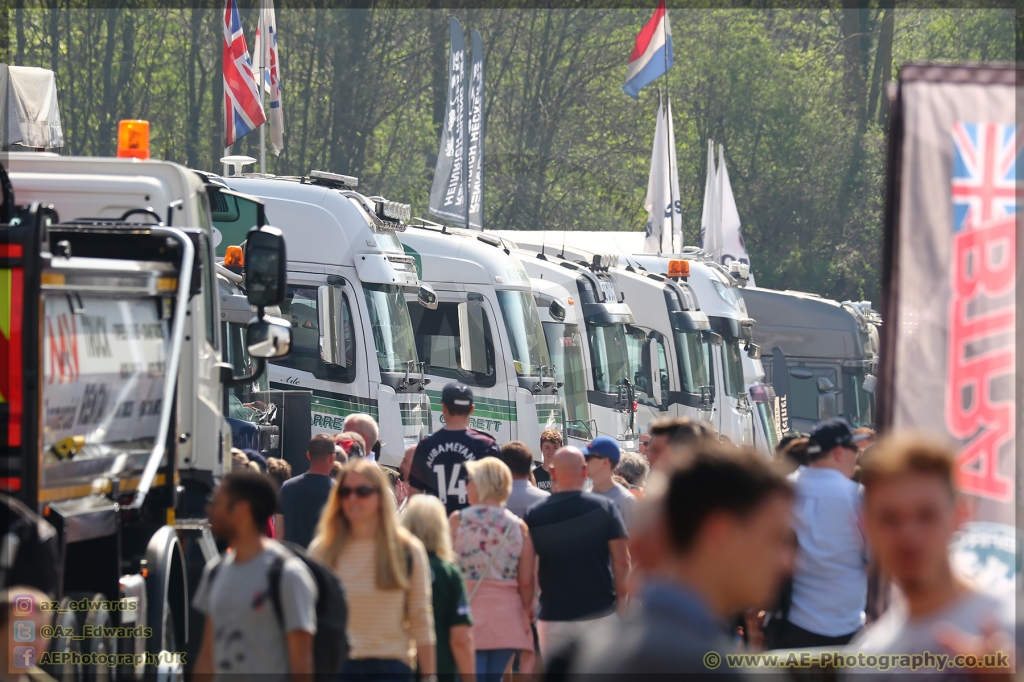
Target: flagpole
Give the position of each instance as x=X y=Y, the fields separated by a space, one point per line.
x=263 y=77
x=668 y=141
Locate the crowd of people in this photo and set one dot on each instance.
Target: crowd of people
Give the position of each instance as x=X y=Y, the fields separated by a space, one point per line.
x=471 y=562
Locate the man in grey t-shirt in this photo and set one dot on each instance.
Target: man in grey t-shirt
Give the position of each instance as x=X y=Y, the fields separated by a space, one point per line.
x=243 y=634
x=603 y=455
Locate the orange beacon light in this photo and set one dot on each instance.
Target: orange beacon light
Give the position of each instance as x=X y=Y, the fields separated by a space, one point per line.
x=133 y=139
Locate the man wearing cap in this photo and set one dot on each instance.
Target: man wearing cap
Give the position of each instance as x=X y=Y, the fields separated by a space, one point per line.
x=439 y=463
x=830 y=578
x=602 y=456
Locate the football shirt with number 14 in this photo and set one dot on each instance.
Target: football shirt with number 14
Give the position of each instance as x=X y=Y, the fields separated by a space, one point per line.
x=439 y=464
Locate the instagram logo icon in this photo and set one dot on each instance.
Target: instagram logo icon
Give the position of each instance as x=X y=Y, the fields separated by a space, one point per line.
x=23 y=605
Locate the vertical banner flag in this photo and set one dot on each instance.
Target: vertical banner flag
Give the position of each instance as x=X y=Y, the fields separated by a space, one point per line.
x=652 y=53
x=243 y=111
x=733 y=246
x=710 y=234
x=447 y=194
x=272 y=78
x=664 y=210
x=475 y=131
x=952 y=334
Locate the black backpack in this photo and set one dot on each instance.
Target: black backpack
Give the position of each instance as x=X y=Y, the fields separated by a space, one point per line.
x=330 y=644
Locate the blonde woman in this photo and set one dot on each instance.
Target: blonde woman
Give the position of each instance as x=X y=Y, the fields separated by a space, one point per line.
x=424 y=517
x=386 y=577
x=495 y=553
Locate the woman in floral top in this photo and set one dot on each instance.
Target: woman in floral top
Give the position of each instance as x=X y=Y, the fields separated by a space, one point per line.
x=496 y=557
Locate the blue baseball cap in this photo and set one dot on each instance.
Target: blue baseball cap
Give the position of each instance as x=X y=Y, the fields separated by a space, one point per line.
x=604 y=446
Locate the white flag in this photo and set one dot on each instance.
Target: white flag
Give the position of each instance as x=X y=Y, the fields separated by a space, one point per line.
x=266 y=55
x=711 y=238
x=664 y=210
x=733 y=246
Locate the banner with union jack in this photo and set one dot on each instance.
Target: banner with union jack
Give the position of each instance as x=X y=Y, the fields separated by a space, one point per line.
x=243 y=111
x=951 y=340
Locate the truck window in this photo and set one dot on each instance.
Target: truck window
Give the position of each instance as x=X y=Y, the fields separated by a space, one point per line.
x=300 y=308
x=439 y=344
x=640 y=371
x=802 y=401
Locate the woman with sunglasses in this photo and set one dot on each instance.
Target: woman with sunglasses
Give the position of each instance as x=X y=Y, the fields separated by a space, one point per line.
x=386 y=577
x=496 y=556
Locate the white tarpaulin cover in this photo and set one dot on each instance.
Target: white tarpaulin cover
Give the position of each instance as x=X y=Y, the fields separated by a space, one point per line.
x=32 y=112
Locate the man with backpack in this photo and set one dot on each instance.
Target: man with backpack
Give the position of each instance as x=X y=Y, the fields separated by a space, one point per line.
x=261 y=599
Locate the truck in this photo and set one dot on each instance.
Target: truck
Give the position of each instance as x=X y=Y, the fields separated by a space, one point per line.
x=665 y=359
x=348 y=276
x=112 y=403
x=821 y=356
x=485 y=331
x=607 y=322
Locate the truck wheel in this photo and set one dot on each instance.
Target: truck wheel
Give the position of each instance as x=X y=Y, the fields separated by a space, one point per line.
x=66 y=621
x=100 y=647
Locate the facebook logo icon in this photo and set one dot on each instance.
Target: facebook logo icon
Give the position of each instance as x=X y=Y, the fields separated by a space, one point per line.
x=24 y=656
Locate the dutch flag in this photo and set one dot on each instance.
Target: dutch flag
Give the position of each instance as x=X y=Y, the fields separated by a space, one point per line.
x=650 y=59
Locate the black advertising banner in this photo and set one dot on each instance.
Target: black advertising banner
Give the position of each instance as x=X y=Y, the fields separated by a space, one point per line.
x=448 y=192
x=475 y=130
x=951 y=335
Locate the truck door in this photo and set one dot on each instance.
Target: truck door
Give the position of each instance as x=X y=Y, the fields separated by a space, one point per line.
x=458 y=342
x=339 y=383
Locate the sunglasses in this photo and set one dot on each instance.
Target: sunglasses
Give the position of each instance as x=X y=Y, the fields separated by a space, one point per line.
x=361 y=491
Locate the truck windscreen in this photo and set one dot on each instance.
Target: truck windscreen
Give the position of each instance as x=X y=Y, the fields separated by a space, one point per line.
x=526 y=336
x=565 y=346
x=609 y=356
x=392 y=328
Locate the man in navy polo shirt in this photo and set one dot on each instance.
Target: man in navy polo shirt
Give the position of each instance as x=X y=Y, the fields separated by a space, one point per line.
x=439 y=464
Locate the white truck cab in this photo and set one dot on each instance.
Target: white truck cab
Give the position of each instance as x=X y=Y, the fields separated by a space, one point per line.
x=148 y=191
x=485 y=331
x=722 y=301
x=606 y=321
x=563 y=331
x=348 y=277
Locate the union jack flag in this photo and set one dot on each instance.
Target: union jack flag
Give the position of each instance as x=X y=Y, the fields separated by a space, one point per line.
x=243 y=111
x=985 y=181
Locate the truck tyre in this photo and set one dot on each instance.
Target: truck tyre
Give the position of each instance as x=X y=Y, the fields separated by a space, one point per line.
x=65 y=620
x=101 y=647
x=168 y=598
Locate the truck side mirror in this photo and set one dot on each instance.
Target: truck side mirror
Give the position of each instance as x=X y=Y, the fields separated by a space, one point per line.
x=825 y=385
x=557 y=311
x=269 y=337
x=329 y=314
x=715 y=339
x=753 y=351
x=265 y=267
x=426 y=296
x=870 y=381
x=826 y=405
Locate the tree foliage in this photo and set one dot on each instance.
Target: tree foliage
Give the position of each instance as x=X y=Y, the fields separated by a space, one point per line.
x=797 y=96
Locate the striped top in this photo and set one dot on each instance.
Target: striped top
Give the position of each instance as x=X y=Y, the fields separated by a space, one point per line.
x=385 y=623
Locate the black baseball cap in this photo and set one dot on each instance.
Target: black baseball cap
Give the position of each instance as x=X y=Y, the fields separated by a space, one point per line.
x=457 y=394
x=832 y=433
